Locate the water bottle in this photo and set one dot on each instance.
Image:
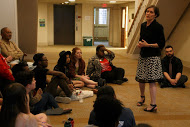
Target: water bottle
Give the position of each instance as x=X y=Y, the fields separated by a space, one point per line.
x=67 y=124
x=72 y=121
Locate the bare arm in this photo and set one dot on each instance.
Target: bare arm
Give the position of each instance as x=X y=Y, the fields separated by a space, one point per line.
x=172 y=81
x=178 y=76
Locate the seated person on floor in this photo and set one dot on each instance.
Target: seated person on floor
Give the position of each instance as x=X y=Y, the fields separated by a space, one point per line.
x=58 y=79
x=41 y=101
x=9 y=48
x=77 y=69
x=172 y=68
x=63 y=66
x=15 y=110
x=6 y=76
x=126 y=119
x=107 y=111
x=100 y=66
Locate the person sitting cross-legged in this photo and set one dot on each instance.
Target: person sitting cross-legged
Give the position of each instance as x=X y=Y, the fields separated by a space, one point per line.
x=100 y=66
x=58 y=79
x=172 y=70
x=41 y=101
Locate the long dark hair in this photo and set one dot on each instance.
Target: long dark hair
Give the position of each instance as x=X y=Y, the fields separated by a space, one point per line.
x=14 y=102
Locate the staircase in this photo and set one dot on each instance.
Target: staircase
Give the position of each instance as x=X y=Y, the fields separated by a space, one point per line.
x=170 y=13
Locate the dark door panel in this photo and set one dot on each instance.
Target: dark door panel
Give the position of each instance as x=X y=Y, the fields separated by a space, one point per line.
x=64 y=24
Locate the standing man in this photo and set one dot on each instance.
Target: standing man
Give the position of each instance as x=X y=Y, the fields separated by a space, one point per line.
x=8 y=48
x=172 y=69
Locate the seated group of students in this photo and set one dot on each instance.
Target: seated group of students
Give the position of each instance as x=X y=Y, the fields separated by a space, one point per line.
x=33 y=95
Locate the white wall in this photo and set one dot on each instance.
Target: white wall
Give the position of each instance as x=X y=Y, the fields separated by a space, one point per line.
x=8 y=16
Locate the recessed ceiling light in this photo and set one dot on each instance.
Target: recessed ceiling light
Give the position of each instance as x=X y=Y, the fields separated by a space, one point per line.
x=112 y=1
x=72 y=0
x=66 y=2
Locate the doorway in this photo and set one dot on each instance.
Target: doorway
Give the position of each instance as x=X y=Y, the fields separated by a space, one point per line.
x=101 y=26
x=64 y=24
x=124 y=27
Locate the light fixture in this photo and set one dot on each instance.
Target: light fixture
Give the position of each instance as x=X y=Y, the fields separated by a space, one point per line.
x=112 y=1
x=72 y=0
x=62 y=3
x=66 y=2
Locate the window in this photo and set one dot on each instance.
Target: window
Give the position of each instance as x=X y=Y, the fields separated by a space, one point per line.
x=102 y=16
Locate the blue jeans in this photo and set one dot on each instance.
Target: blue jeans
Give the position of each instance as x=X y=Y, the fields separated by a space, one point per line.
x=47 y=102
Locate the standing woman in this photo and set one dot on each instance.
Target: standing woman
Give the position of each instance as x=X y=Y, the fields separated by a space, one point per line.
x=149 y=68
x=77 y=68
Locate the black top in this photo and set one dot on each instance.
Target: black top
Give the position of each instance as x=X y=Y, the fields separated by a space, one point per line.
x=40 y=77
x=63 y=69
x=152 y=34
x=177 y=66
x=126 y=118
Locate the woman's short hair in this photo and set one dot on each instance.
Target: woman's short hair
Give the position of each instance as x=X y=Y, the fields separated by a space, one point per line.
x=156 y=10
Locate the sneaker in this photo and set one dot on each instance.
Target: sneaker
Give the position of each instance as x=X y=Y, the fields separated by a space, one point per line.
x=65 y=111
x=65 y=100
x=183 y=86
x=56 y=111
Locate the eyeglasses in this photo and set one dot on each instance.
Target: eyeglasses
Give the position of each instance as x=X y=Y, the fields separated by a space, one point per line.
x=44 y=60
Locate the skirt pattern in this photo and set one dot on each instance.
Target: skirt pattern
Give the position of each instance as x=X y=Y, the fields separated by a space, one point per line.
x=149 y=69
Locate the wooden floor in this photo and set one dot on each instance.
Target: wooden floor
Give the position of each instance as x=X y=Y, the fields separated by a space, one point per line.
x=173 y=103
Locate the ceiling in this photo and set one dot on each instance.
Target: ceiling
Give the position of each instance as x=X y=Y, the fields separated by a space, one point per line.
x=88 y=1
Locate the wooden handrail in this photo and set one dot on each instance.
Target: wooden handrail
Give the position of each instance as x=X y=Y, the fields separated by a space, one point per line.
x=135 y=17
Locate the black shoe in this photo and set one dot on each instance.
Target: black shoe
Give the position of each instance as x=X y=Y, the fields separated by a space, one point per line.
x=153 y=109
x=183 y=86
x=124 y=79
x=141 y=103
x=162 y=85
x=119 y=82
x=101 y=82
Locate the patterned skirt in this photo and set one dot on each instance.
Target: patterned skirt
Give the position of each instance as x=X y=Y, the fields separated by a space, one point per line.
x=149 y=70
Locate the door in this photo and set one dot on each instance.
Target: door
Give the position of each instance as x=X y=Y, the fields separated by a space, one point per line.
x=123 y=27
x=64 y=24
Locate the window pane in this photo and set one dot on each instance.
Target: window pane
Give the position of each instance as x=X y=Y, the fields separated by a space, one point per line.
x=102 y=16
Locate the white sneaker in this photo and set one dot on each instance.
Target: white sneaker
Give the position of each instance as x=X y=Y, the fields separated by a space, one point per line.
x=65 y=100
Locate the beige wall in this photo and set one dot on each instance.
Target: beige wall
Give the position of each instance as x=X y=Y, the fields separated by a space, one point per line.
x=87 y=19
x=50 y=24
x=42 y=31
x=180 y=38
x=27 y=25
x=8 y=16
x=116 y=26
x=78 y=25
